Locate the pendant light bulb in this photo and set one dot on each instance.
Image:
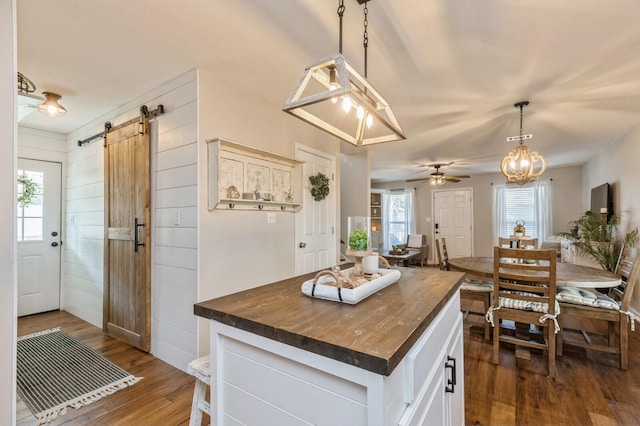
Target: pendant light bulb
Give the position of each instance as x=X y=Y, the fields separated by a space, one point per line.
x=369 y=121
x=360 y=112
x=346 y=104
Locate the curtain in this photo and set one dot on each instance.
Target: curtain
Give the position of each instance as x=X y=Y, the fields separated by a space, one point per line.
x=535 y=200
x=542 y=196
x=385 y=221
x=413 y=211
x=498 y=211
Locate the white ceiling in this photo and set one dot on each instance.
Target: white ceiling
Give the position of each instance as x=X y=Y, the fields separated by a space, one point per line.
x=451 y=69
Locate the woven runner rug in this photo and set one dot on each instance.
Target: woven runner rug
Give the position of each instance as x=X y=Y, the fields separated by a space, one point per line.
x=55 y=371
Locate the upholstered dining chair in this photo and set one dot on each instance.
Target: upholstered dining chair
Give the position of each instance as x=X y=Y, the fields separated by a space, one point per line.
x=471 y=290
x=584 y=306
x=525 y=292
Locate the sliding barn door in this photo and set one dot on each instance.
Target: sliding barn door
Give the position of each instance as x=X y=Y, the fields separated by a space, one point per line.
x=127 y=247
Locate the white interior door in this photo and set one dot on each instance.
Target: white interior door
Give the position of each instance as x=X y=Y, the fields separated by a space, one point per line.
x=39 y=242
x=315 y=222
x=453 y=215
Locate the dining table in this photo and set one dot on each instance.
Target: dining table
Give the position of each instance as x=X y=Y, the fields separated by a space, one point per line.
x=567 y=274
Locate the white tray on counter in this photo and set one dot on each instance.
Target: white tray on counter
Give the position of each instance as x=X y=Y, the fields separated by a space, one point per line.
x=349 y=295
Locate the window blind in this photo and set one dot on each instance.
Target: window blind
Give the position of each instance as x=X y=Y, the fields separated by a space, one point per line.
x=519 y=203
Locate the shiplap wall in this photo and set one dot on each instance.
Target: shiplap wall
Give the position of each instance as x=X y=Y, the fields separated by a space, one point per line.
x=174 y=197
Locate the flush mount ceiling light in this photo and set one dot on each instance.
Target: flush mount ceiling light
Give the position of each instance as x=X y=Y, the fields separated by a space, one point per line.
x=519 y=166
x=50 y=106
x=332 y=96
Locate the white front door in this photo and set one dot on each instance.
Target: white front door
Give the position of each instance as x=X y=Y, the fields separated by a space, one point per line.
x=315 y=222
x=453 y=215
x=39 y=242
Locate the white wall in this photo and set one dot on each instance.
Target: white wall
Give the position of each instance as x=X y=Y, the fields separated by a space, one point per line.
x=567 y=202
x=355 y=189
x=174 y=193
x=39 y=145
x=238 y=249
x=8 y=203
x=617 y=163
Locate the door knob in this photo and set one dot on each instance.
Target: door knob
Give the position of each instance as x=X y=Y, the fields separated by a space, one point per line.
x=54 y=244
x=302 y=245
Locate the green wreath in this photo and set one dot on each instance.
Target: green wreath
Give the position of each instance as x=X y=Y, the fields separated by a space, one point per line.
x=319 y=186
x=29 y=190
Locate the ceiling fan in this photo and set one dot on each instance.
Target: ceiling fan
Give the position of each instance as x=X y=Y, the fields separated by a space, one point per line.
x=438 y=177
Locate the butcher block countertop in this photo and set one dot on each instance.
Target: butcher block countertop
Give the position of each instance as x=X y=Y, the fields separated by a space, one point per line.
x=374 y=334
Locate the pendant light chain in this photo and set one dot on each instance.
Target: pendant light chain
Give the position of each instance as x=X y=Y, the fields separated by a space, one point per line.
x=365 y=41
x=340 y=12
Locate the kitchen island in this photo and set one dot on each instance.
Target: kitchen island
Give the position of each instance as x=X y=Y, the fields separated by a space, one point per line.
x=279 y=357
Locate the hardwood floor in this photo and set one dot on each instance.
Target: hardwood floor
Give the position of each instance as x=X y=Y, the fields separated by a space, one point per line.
x=589 y=388
x=163 y=397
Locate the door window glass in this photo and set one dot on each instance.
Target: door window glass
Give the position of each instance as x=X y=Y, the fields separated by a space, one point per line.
x=30 y=217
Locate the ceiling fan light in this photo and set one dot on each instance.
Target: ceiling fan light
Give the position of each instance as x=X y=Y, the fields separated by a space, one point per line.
x=51 y=107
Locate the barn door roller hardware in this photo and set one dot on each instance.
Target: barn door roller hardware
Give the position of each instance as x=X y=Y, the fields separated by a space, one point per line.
x=144 y=113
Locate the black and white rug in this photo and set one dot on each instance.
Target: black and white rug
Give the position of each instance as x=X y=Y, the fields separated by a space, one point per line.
x=55 y=371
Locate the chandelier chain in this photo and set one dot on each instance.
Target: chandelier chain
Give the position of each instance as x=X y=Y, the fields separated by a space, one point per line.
x=365 y=41
x=340 y=13
x=521 y=106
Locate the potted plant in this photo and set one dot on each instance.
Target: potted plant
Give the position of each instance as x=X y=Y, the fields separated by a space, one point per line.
x=600 y=239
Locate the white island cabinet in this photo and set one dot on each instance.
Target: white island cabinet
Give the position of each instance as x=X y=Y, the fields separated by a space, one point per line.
x=282 y=358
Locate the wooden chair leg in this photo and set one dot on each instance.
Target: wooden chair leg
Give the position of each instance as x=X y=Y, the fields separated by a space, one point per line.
x=199 y=394
x=559 y=337
x=551 y=342
x=624 y=342
x=496 y=339
x=487 y=326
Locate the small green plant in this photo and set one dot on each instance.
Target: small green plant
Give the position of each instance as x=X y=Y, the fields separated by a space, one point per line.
x=29 y=190
x=319 y=186
x=358 y=240
x=600 y=241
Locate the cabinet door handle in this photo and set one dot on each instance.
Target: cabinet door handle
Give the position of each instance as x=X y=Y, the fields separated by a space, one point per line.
x=451 y=383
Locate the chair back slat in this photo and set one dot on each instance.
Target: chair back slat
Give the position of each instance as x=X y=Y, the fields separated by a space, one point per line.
x=443 y=255
x=537 y=278
x=628 y=254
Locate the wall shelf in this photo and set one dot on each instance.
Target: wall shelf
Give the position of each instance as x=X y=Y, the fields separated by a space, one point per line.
x=249 y=170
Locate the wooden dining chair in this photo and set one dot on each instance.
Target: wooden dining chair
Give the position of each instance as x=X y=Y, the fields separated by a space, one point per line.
x=505 y=242
x=525 y=293
x=587 y=307
x=523 y=242
x=471 y=290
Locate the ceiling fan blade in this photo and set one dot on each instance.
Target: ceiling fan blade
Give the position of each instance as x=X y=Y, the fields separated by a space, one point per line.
x=418 y=180
x=460 y=177
x=451 y=179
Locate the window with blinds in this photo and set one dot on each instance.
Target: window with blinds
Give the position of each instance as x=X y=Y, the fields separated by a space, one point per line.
x=398 y=209
x=519 y=203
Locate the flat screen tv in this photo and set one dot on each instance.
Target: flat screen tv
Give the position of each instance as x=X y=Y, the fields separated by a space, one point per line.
x=602 y=197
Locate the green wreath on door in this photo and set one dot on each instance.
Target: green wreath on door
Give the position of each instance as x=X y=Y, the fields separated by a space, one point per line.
x=319 y=186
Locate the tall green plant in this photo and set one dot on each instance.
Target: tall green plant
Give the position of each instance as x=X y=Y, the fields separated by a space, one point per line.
x=600 y=241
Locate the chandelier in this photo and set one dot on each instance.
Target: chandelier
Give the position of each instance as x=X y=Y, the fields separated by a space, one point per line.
x=332 y=96
x=519 y=166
